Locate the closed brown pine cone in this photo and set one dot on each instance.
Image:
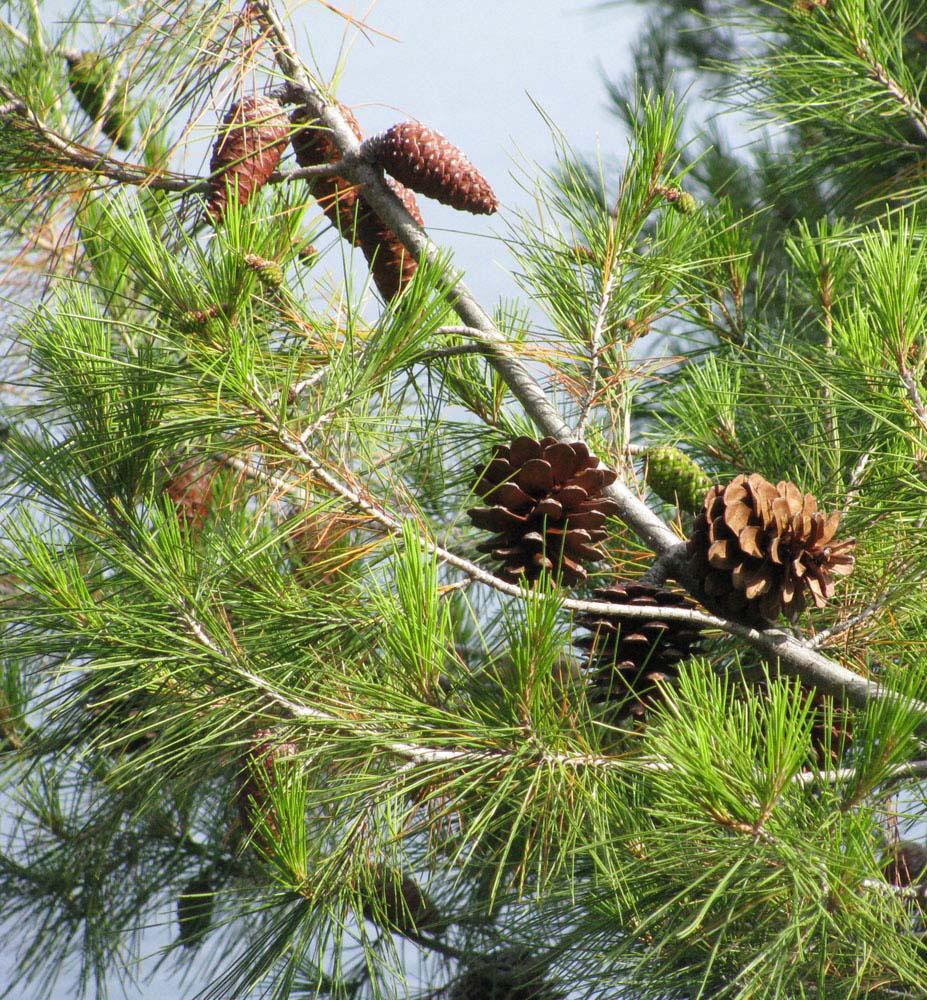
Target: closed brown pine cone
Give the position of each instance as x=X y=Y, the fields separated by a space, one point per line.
x=190 y=491
x=629 y=657
x=760 y=549
x=427 y=163
x=313 y=146
x=392 y=266
x=251 y=141
x=546 y=506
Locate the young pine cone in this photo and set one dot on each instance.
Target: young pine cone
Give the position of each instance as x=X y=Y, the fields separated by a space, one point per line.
x=396 y=901
x=194 y=911
x=627 y=657
x=676 y=478
x=427 y=163
x=251 y=141
x=101 y=97
x=506 y=975
x=546 y=506
x=758 y=549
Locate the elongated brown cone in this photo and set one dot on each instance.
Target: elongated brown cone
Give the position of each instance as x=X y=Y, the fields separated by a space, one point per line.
x=313 y=146
x=427 y=163
x=251 y=141
x=190 y=491
x=629 y=657
x=759 y=549
x=392 y=266
x=546 y=506
x=257 y=778
x=194 y=910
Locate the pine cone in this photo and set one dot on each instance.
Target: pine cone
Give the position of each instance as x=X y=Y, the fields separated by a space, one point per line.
x=194 y=911
x=507 y=975
x=401 y=904
x=313 y=146
x=628 y=656
x=257 y=778
x=391 y=264
x=547 y=507
x=91 y=80
x=190 y=491
x=251 y=141
x=427 y=163
x=757 y=548
x=907 y=865
x=828 y=738
x=676 y=478
x=269 y=272
x=117 y=722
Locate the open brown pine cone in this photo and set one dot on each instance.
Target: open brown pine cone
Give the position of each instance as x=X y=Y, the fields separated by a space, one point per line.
x=759 y=549
x=546 y=507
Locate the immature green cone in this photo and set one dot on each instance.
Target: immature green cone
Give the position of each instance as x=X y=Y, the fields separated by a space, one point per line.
x=685 y=204
x=676 y=478
x=194 y=911
x=91 y=80
x=269 y=272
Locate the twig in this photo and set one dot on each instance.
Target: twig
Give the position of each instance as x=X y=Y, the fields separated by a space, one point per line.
x=595 y=341
x=916 y=114
x=819 y=638
x=504 y=358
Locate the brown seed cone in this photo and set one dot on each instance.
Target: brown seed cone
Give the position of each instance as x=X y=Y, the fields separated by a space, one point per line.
x=313 y=146
x=257 y=777
x=758 y=548
x=190 y=491
x=627 y=657
x=427 y=163
x=907 y=864
x=391 y=264
x=829 y=736
x=546 y=506
x=401 y=904
x=251 y=141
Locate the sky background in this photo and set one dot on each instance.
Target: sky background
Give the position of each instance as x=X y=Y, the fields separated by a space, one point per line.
x=475 y=72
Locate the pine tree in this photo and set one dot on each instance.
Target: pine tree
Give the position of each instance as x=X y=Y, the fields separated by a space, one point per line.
x=274 y=705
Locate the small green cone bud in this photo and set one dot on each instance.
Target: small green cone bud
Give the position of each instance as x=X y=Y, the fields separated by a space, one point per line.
x=676 y=478
x=269 y=272
x=194 y=911
x=91 y=81
x=196 y=319
x=685 y=203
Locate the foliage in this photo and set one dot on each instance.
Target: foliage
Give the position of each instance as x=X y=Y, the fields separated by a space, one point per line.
x=268 y=724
